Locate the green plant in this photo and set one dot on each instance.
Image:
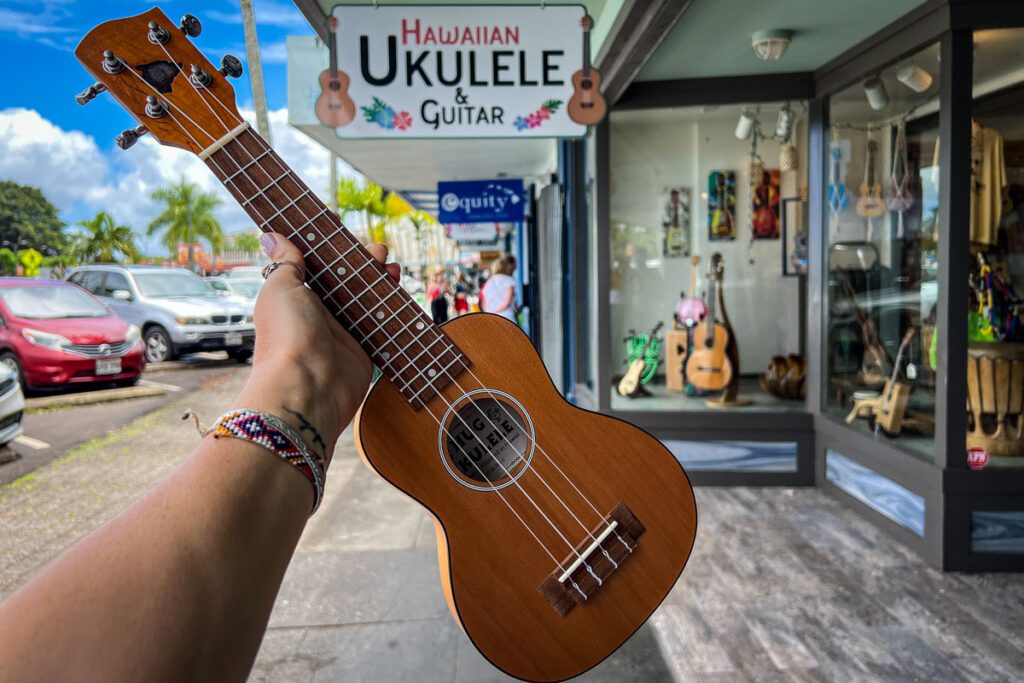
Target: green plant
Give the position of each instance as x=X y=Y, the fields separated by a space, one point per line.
x=188 y=215
x=30 y=260
x=8 y=262
x=28 y=218
x=246 y=241
x=104 y=240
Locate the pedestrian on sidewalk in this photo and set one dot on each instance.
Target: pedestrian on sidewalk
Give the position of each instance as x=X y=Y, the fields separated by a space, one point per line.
x=499 y=292
x=179 y=587
x=461 y=294
x=437 y=295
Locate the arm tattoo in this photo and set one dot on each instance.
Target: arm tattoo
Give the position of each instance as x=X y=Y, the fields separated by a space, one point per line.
x=307 y=426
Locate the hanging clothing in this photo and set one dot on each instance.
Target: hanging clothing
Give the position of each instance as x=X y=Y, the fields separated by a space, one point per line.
x=988 y=181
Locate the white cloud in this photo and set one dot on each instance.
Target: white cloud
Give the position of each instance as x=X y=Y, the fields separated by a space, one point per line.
x=267 y=12
x=70 y=168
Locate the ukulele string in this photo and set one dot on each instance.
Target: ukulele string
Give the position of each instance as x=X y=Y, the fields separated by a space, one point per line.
x=242 y=171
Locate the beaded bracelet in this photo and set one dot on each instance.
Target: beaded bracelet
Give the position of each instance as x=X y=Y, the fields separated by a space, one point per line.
x=276 y=436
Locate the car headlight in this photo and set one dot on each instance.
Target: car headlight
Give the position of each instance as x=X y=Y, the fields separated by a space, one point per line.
x=249 y=318
x=132 y=334
x=46 y=339
x=187 y=320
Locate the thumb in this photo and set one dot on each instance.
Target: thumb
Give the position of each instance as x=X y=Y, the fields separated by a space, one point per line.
x=279 y=248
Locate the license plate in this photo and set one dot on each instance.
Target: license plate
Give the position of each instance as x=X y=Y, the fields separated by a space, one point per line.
x=108 y=366
x=233 y=339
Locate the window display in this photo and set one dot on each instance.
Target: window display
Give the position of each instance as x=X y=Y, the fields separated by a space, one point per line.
x=700 y=304
x=995 y=327
x=881 y=236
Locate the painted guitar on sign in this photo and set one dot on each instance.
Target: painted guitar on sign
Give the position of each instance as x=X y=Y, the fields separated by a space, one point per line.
x=334 y=107
x=587 y=105
x=559 y=530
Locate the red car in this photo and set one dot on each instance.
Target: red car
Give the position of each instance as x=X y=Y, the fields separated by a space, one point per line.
x=54 y=334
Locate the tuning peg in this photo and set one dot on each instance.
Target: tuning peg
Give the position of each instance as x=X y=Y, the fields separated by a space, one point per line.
x=190 y=26
x=231 y=66
x=130 y=136
x=87 y=95
x=200 y=77
x=158 y=35
x=112 y=63
x=155 y=109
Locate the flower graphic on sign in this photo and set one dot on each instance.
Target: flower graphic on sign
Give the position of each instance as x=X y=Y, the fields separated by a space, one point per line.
x=385 y=116
x=536 y=118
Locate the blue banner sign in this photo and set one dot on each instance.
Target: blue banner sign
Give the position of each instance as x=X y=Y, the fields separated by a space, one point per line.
x=481 y=201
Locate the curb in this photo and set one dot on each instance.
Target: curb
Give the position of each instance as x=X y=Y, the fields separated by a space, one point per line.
x=90 y=397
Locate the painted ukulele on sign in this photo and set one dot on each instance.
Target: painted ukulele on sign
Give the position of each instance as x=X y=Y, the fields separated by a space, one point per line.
x=334 y=107
x=587 y=105
x=559 y=530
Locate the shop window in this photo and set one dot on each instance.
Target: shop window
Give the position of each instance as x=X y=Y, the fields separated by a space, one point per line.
x=707 y=222
x=995 y=324
x=881 y=235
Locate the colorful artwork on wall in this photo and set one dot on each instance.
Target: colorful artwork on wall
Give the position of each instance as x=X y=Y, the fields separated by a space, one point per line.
x=764 y=208
x=722 y=205
x=676 y=222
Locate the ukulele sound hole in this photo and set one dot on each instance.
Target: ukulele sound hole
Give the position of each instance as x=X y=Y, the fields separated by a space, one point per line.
x=487 y=440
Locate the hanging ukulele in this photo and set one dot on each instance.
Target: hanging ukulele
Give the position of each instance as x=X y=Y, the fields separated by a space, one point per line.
x=334 y=108
x=870 y=204
x=587 y=105
x=560 y=530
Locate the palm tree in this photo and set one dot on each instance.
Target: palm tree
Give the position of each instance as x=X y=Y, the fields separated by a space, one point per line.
x=248 y=242
x=104 y=240
x=363 y=197
x=187 y=216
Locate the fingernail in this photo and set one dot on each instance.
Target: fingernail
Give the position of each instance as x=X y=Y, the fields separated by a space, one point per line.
x=268 y=241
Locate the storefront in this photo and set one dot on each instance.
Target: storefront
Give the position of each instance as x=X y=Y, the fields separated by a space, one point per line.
x=863 y=215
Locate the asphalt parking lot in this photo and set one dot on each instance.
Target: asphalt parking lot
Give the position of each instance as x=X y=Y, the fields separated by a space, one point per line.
x=54 y=424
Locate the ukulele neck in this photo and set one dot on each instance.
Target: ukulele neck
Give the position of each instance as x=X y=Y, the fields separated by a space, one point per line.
x=586 y=53
x=395 y=332
x=332 y=51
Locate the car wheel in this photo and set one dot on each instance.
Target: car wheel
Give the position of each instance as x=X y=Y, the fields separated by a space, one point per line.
x=11 y=361
x=158 y=345
x=241 y=355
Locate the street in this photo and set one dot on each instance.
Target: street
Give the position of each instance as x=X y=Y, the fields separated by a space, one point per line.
x=780 y=586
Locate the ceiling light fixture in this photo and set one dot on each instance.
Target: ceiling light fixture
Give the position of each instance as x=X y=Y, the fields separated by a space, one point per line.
x=770 y=45
x=915 y=78
x=877 y=96
x=745 y=126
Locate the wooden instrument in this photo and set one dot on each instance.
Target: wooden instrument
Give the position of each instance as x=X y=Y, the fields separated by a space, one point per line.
x=691 y=309
x=587 y=105
x=875 y=361
x=708 y=366
x=888 y=408
x=870 y=204
x=629 y=385
x=837 y=199
x=559 y=530
x=334 y=107
x=995 y=398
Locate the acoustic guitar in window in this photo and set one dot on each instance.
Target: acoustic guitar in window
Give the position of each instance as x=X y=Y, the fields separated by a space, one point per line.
x=334 y=107
x=587 y=105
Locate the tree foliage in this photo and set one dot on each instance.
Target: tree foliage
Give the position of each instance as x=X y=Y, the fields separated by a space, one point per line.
x=104 y=240
x=8 y=262
x=246 y=241
x=185 y=202
x=27 y=218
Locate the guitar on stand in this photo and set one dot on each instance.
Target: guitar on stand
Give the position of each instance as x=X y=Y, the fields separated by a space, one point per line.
x=876 y=360
x=463 y=418
x=708 y=366
x=690 y=311
x=586 y=106
x=334 y=108
x=631 y=384
x=888 y=409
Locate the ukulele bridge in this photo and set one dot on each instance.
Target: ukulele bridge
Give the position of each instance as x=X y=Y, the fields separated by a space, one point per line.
x=594 y=561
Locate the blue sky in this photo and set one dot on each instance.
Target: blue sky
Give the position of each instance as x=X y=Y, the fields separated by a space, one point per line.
x=48 y=140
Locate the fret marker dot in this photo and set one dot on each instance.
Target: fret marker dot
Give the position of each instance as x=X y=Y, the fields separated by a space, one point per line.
x=419 y=326
x=310 y=236
x=341 y=270
x=380 y=314
x=431 y=372
x=385 y=355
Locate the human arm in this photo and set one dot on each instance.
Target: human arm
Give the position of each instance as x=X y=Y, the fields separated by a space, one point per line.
x=180 y=585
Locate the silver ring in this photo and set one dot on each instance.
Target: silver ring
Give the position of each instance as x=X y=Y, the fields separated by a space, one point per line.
x=271 y=267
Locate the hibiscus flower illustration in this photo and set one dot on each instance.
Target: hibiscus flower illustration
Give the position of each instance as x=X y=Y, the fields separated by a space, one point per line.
x=533 y=120
x=544 y=113
x=402 y=120
x=520 y=123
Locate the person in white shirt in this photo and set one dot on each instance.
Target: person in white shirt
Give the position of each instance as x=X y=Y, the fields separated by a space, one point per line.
x=499 y=292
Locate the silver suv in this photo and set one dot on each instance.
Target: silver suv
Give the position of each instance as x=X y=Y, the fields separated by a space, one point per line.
x=177 y=312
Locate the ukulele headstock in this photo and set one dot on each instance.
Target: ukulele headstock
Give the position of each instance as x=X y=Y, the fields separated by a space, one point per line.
x=586 y=23
x=695 y=260
x=149 y=65
x=332 y=24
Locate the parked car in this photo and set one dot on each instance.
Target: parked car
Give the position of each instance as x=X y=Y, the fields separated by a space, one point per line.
x=53 y=334
x=177 y=312
x=244 y=289
x=12 y=405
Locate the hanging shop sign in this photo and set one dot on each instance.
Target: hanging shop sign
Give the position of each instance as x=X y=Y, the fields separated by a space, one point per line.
x=459 y=71
x=473 y=234
x=481 y=201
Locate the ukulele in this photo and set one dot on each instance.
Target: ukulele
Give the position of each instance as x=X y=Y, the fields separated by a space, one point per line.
x=334 y=107
x=586 y=106
x=629 y=385
x=870 y=204
x=559 y=530
x=837 y=199
x=721 y=219
x=875 y=360
x=895 y=394
x=708 y=367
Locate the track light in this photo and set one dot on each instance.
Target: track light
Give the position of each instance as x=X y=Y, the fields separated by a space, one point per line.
x=874 y=88
x=915 y=78
x=784 y=125
x=745 y=126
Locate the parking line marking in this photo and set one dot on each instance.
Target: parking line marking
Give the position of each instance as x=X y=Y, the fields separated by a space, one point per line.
x=31 y=443
x=159 y=385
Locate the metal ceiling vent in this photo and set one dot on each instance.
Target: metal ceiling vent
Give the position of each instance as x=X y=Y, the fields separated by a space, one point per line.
x=770 y=45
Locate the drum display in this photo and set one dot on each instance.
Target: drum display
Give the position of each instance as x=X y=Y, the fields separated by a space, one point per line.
x=995 y=398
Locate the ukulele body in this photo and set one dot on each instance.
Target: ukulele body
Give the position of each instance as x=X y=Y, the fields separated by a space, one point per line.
x=630 y=382
x=870 y=204
x=708 y=366
x=334 y=107
x=586 y=106
x=491 y=568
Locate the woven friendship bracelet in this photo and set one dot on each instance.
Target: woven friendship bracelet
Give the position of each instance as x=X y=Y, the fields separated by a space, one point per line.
x=276 y=436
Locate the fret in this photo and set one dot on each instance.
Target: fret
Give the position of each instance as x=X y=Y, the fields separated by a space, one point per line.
x=344 y=283
x=272 y=184
x=401 y=352
x=430 y=381
x=329 y=266
x=364 y=292
x=308 y=223
x=242 y=169
x=383 y=319
x=284 y=208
